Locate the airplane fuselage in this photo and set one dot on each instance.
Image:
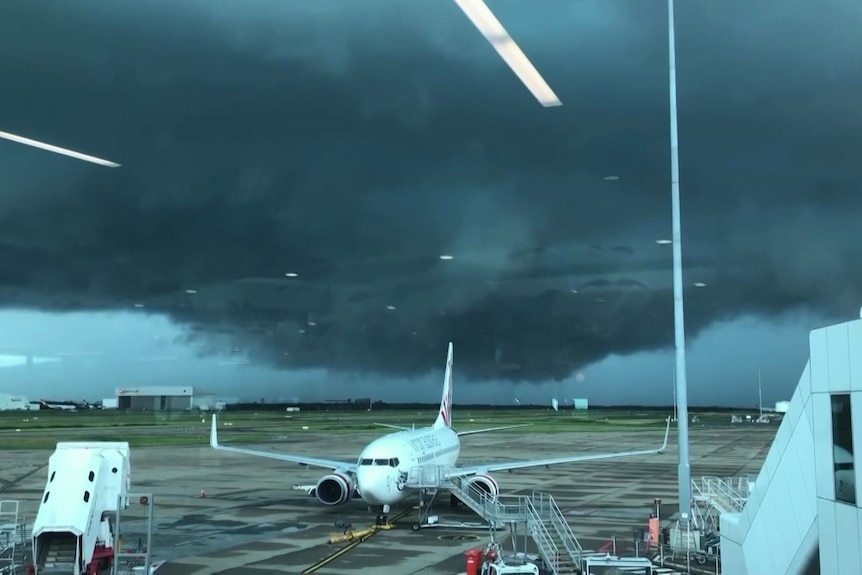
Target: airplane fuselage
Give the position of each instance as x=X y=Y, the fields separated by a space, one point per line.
x=385 y=463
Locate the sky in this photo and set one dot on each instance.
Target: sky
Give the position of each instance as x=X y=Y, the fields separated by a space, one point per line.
x=353 y=143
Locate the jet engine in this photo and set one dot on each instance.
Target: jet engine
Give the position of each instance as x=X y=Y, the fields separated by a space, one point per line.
x=334 y=489
x=485 y=484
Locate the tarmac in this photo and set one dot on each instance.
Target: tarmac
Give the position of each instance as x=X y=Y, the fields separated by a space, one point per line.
x=251 y=522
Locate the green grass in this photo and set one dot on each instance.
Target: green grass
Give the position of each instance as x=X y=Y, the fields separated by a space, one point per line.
x=43 y=429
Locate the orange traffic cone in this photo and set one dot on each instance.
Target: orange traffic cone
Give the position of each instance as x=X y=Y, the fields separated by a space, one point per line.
x=203 y=493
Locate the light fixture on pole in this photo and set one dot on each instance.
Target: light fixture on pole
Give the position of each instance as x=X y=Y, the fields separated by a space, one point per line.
x=58 y=150
x=482 y=17
x=684 y=466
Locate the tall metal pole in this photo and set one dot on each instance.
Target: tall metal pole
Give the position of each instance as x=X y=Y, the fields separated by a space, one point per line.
x=674 y=393
x=684 y=467
x=759 y=394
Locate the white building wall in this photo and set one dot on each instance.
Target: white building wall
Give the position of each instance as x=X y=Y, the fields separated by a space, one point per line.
x=771 y=530
x=792 y=508
x=9 y=402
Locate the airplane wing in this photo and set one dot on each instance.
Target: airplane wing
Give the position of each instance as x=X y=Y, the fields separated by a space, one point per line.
x=510 y=465
x=300 y=459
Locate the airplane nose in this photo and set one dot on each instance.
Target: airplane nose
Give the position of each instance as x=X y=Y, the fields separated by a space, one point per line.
x=377 y=486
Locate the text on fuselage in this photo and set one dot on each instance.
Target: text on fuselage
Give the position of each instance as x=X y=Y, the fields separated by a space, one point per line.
x=425 y=443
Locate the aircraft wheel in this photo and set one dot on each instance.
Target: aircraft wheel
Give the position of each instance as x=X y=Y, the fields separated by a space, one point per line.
x=416 y=527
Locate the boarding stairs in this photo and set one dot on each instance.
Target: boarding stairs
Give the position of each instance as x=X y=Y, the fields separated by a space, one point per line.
x=58 y=554
x=711 y=497
x=725 y=494
x=556 y=544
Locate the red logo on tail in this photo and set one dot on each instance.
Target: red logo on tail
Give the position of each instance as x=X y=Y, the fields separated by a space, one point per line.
x=446 y=408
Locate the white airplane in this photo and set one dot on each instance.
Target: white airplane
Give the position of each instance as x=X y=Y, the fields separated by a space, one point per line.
x=381 y=471
x=57 y=406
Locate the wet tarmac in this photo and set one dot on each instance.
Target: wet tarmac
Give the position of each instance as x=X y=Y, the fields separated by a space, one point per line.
x=252 y=523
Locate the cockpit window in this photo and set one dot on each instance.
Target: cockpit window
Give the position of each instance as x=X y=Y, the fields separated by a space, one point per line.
x=384 y=462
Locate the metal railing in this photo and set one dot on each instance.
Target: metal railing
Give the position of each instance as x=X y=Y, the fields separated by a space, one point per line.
x=545 y=545
x=545 y=521
x=495 y=510
x=722 y=493
x=551 y=513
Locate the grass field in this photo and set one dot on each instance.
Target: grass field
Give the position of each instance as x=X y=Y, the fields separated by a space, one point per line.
x=43 y=429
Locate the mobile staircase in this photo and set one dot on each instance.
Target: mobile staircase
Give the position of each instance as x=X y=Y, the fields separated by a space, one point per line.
x=73 y=530
x=11 y=531
x=724 y=494
x=712 y=497
x=545 y=523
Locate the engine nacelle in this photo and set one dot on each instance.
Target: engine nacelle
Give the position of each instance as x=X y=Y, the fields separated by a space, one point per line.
x=334 y=489
x=485 y=484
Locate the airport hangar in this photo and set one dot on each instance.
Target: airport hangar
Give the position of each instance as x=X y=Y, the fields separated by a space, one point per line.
x=160 y=398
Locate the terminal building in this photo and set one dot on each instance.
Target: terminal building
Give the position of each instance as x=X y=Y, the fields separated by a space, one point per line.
x=802 y=515
x=156 y=398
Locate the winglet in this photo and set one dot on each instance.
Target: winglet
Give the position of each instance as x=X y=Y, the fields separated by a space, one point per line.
x=666 y=435
x=214 y=434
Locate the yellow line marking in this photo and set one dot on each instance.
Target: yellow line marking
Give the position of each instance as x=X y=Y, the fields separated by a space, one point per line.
x=333 y=556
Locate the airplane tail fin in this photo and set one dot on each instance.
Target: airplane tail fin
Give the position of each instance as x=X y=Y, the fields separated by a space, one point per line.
x=214 y=433
x=444 y=417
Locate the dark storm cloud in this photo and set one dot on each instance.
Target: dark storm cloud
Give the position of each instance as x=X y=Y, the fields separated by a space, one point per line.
x=356 y=141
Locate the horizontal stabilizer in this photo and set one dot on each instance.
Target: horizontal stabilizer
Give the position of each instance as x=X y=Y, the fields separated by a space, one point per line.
x=486 y=430
x=389 y=425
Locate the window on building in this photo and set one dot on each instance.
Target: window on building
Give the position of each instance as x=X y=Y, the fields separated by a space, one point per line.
x=842 y=449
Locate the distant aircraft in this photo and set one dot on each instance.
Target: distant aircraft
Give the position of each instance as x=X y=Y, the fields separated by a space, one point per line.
x=64 y=405
x=57 y=406
x=380 y=474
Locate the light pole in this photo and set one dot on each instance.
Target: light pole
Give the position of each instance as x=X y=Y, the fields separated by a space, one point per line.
x=490 y=27
x=684 y=467
x=674 y=393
